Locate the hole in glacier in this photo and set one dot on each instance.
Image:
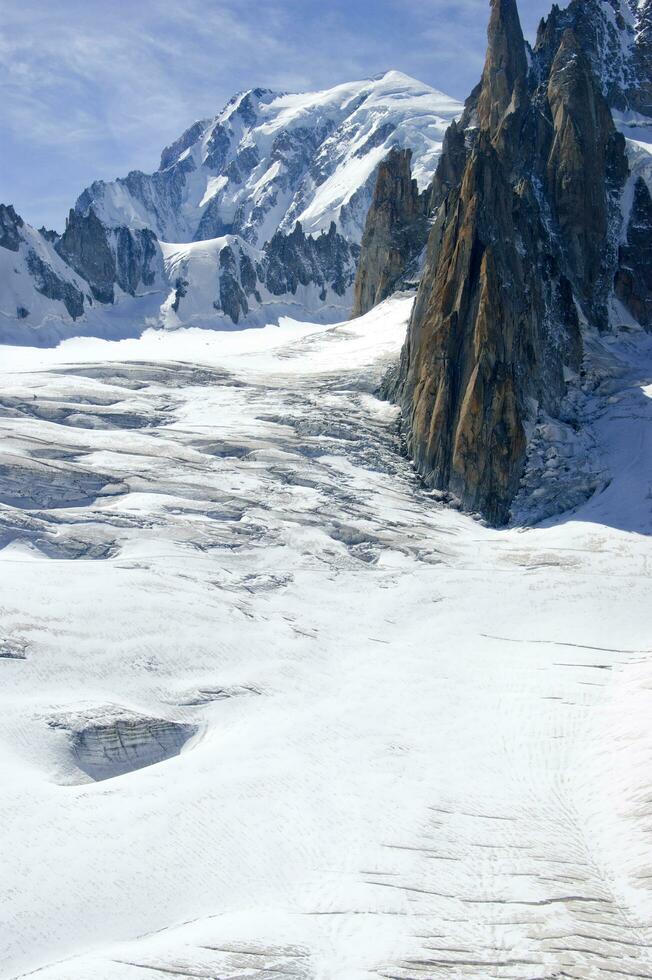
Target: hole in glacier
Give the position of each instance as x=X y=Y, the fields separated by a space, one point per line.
x=225 y=450
x=110 y=742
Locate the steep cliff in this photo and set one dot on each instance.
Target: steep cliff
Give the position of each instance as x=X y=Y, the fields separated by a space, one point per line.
x=109 y=257
x=36 y=284
x=395 y=232
x=528 y=231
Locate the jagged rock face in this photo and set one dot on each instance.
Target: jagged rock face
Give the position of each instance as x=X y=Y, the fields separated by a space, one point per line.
x=395 y=233
x=10 y=225
x=108 y=257
x=633 y=284
x=172 y=153
x=233 y=299
x=229 y=278
x=529 y=230
x=49 y=284
x=49 y=235
x=585 y=171
x=84 y=245
x=326 y=261
x=473 y=355
x=616 y=37
x=504 y=77
x=31 y=272
x=137 y=258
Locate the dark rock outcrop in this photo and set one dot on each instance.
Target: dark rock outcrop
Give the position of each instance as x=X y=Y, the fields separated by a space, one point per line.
x=106 y=257
x=246 y=277
x=10 y=225
x=633 y=284
x=85 y=246
x=527 y=197
x=172 y=152
x=233 y=300
x=49 y=235
x=48 y=283
x=180 y=291
x=395 y=233
x=325 y=261
x=136 y=255
x=585 y=173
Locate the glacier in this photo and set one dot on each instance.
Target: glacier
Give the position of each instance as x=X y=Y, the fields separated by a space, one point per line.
x=347 y=732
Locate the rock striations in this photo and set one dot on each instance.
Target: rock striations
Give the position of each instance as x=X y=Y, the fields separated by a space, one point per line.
x=538 y=232
x=395 y=232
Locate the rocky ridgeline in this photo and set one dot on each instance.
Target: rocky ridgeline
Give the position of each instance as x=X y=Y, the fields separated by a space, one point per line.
x=539 y=230
x=277 y=186
x=395 y=233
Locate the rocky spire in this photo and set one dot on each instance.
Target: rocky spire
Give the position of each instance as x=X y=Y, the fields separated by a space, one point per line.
x=395 y=232
x=586 y=154
x=505 y=71
x=10 y=223
x=528 y=194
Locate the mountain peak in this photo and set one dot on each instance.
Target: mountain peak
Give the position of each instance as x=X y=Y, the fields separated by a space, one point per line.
x=535 y=217
x=268 y=160
x=264 y=203
x=505 y=69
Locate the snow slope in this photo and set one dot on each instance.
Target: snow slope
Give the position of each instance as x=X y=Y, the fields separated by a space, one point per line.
x=269 y=160
x=394 y=743
x=281 y=182
x=38 y=290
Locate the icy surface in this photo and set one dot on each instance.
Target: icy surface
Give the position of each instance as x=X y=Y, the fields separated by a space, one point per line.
x=421 y=748
x=268 y=160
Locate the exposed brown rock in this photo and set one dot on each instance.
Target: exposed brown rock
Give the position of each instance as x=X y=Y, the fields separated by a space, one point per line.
x=526 y=232
x=584 y=147
x=503 y=86
x=477 y=347
x=395 y=233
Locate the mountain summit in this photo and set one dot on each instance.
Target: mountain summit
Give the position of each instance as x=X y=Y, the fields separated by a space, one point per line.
x=255 y=212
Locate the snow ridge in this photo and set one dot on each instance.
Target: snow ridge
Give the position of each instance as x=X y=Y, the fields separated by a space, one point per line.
x=268 y=160
x=276 y=187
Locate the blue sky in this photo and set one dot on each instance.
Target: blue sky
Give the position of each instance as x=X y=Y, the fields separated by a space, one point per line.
x=94 y=88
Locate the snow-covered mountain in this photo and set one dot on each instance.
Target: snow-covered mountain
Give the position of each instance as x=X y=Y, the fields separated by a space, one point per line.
x=269 y=160
x=255 y=212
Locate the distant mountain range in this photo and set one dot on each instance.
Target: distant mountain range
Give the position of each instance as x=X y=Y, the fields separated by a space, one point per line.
x=252 y=214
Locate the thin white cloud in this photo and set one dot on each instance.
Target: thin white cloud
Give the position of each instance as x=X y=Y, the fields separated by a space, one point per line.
x=92 y=89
